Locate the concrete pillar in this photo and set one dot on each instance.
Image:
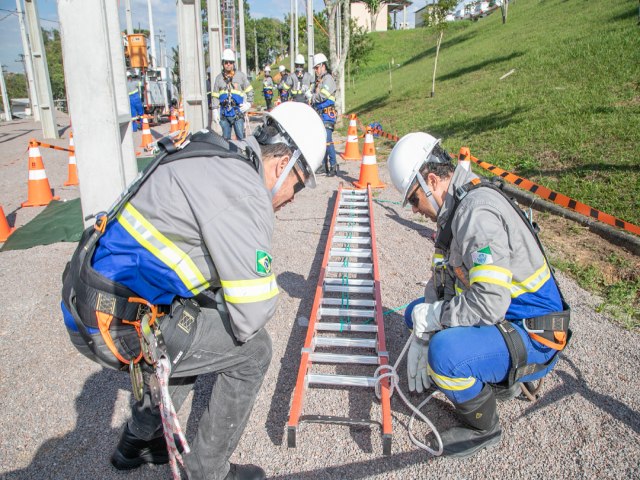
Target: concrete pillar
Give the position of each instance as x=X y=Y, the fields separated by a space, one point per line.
x=243 y=40
x=5 y=98
x=310 y=46
x=28 y=64
x=215 y=38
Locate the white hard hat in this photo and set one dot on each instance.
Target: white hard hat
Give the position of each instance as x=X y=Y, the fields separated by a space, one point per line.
x=281 y=68
x=319 y=58
x=208 y=69
x=299 y=59
x=407 y=157
x=267 y=68
x=128 y=74
x=228 y=55
x=305 y=129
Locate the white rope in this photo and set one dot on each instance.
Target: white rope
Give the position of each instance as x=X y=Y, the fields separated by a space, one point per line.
x=170 y=423
x=394 y=382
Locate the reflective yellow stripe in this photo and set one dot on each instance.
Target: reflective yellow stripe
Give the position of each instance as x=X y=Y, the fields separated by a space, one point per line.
x=248 y=89
x=285 y=87
x=250 y=291
x=215 y=94
x=162 y=248
x=458 y=289
x=132 y=92
x=327 y=94
x=533 y=283
x=448 y=383
x=491 y=274
x=438 y=259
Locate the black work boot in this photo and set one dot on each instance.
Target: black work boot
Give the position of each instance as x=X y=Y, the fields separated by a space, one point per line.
x=505 y=394
x=245 y=472
x=333 y=170
x=132 y=451
x=482 y=428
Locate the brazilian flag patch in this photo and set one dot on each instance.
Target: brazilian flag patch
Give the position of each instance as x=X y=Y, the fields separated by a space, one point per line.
x=263 y=263
x=482 y=257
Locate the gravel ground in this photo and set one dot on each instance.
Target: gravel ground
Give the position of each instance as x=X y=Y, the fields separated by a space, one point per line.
x=62 y=414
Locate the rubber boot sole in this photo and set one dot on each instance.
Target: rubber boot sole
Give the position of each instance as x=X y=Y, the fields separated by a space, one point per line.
x=492 y=442
x=121 y=462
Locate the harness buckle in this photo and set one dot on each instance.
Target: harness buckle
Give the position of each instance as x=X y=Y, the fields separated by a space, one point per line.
x=527 y=329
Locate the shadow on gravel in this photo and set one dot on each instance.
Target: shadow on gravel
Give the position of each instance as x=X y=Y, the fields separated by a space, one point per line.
x=572 y=385
x=15 y=134
x=93 y=432
x=296 y=286
x=393 y=214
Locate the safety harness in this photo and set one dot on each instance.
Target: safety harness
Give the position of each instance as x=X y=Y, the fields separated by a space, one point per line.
x=551 y=330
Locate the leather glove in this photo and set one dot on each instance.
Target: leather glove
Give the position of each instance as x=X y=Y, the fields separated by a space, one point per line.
x=216 y=115
x=308 y=94
x=426 y=318
x=417 y=376
x=245 y=106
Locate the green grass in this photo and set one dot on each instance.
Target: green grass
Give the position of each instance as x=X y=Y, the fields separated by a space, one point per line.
x=568 y=118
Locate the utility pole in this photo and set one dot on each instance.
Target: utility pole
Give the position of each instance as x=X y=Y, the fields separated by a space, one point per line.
x=163 y=71
x=127 y=13
x=255 y=53
x=5 y=98
x=28 y=65
x=41 y=71
x=215 y=38
x=291 y=42
x=310 y=46
x=243 y=44
x=152 y=37
x=295 y=20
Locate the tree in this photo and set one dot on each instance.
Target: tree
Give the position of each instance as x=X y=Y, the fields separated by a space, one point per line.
x=53 y=48
x=175 y=71
x=374 y=7
x=339 y=59
x=434 y=18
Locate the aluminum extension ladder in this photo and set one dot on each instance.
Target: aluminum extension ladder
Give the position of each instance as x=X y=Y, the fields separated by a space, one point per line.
x=352 y=329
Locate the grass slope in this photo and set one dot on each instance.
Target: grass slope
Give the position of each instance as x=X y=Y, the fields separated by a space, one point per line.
x=568 y=118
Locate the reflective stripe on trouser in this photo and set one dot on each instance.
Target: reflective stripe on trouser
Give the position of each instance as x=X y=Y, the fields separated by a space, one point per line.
x=463 y=359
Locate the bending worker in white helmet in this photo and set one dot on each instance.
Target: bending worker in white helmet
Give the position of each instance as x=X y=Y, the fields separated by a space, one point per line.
x=232 y=95
x=301 y=80
x=492 y=317
x=216 y=216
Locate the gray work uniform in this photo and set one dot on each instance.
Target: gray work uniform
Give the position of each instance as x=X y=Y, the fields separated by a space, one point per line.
x=228 y=96
x=300 y=86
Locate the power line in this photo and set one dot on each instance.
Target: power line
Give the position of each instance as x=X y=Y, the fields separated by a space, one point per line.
x=15 y=12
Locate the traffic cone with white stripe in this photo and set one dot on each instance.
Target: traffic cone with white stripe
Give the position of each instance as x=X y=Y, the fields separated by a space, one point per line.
x=180 y=118
x=5 y=229
x=174 y=122
x=147 y=138
x=352 y=149
x=39 y=191
x=369 y=166
x=72 y=177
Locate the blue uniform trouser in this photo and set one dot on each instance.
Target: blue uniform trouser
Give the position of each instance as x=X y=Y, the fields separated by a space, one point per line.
x=137 y=110
x=330 y=156
x=237 y=122
x=463 y=359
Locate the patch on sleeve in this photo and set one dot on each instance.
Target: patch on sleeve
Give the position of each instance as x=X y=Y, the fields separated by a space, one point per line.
x=263 y=263
x=482 y=257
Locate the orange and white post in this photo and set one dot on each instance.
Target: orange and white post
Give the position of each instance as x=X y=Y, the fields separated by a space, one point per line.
x=369 y=165
x=39 y=190
x=352 y=149
x=72 y=176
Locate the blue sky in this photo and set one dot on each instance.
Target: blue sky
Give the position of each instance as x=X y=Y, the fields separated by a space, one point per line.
x=164 y=19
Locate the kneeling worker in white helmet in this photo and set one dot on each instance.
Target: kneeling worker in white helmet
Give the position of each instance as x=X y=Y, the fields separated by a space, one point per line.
x=490 y=273
x=196 y=237
x=232 y=96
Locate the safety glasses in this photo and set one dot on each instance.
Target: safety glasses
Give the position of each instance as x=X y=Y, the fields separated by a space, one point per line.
x=227 y=62
x=300 y=184
x=413 y=199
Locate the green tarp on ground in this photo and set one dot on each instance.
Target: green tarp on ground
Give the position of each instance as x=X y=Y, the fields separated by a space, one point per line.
x=59 y=222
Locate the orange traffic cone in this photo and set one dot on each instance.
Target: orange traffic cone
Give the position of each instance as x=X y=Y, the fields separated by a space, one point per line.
x=464 y=158
x=5 y=229
x=147 y=139
x=174 y=122
x=180 y=118
x=72 y=177
x=369 y=166
x=39 y=191
x=352 y=149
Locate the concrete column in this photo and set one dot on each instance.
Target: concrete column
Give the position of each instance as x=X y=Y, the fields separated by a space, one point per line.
x=243 y=41
x=310 y=46
x=102 y=133
x=292 y=53
x=127 y=13
x=215 y=38
x=41 y=71
x=152 y=37
x=28 y=64
x=5 y=98
x=192 y=69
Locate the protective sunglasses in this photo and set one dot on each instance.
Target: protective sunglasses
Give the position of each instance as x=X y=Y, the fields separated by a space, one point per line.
x=300 y=183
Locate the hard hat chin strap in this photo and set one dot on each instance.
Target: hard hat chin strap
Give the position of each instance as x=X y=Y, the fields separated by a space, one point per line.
x=428 y=193
x=285 y=173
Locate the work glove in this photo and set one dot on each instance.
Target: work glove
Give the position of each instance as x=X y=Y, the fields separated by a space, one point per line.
x=244 y=107
x=308 y=94
x=417 y=376
x=216 y=115
x=426 y=318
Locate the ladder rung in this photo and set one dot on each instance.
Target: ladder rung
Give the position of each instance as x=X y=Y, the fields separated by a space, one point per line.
x=345 y=342
x=352 y=252
x=341 y=239
x=343 y=380
x=345 y=327
x=352 y=219
x=353 y=228
x=347 y=312
x=349 y=270
x=353 y=302
x=353 y=204
x=360 y=282
x=341 y=358
x=354 y=211
x=347 y=288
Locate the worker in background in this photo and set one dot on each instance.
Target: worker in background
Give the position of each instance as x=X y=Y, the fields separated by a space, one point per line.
x=492 y=316
x=232 y=95
x=285 y=84
x=135 y=102
x=219 y=226
x=322 y=99
x=208 y=86
x=301 y=80
x=267 y=87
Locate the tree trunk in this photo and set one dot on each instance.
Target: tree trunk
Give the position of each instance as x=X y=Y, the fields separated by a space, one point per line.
x=338 y=63
x=504 y=7
x=435 y=65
